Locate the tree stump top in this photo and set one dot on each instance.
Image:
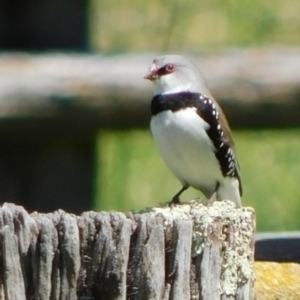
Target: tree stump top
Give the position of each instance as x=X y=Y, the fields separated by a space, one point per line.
x=221 y=222
x=189 y=251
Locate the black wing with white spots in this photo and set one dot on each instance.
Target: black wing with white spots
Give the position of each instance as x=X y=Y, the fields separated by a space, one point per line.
x=208 y=111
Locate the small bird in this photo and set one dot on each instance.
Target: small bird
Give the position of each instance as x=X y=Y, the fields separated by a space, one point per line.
x=191 y=131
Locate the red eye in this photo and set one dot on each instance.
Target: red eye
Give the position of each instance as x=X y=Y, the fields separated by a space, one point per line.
x=170 y=68
x=166 y=69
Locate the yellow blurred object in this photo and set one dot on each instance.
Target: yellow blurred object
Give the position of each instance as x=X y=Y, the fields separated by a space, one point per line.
x=277 y=281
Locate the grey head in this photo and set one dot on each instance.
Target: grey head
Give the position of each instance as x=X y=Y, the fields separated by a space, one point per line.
x=174 y=73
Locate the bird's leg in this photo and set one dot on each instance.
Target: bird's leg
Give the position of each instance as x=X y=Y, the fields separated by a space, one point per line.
x=212 y=199
x=214 y=196
x=175 y=200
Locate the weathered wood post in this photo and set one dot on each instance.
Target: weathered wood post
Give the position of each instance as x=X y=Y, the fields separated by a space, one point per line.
x=185 y=252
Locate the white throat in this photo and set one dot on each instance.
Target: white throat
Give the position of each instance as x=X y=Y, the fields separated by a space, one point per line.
x=170 y=84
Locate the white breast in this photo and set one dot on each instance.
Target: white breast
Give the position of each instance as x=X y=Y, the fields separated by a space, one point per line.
x=186 y=148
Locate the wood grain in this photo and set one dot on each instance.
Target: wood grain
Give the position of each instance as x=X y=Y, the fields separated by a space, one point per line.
x=189 y=251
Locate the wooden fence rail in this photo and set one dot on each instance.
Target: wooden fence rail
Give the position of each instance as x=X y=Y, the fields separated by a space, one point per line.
x=82 y=93
x=184 y=252
x=52 y=106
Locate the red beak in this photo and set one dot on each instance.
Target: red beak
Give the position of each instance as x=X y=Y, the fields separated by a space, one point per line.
x=152 y=75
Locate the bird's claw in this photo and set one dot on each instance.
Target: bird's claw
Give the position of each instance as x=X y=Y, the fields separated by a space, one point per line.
x=175 y=201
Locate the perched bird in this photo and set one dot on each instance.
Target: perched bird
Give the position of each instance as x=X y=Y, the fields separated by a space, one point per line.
x=191 y=131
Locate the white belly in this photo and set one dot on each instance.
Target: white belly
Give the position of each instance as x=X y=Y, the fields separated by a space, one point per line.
x=186 y=149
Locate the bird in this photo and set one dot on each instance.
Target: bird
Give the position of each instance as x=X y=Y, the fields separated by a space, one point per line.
x=191 y=131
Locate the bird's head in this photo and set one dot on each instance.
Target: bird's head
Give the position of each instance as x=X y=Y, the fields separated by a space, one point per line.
x=173 y=74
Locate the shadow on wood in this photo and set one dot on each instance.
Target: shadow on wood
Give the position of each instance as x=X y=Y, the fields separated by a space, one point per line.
x=279 y=247
x=186 y=252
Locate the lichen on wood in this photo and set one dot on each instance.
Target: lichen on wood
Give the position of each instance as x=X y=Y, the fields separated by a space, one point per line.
x=277 y=281
x=221 y=227
x=189 y=251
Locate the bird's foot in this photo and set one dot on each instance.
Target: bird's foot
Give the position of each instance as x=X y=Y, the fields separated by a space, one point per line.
x=212 y=199
x=175 y=201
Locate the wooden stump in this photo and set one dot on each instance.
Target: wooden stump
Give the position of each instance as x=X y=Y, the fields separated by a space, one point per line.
x=185 y=252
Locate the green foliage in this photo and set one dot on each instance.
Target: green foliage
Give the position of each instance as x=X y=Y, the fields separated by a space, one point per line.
x=269 y=161
x=179 y=25
x=131 y=174
x=134 y=176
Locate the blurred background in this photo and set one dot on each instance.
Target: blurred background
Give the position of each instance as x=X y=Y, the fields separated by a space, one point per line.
x=74 y=110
